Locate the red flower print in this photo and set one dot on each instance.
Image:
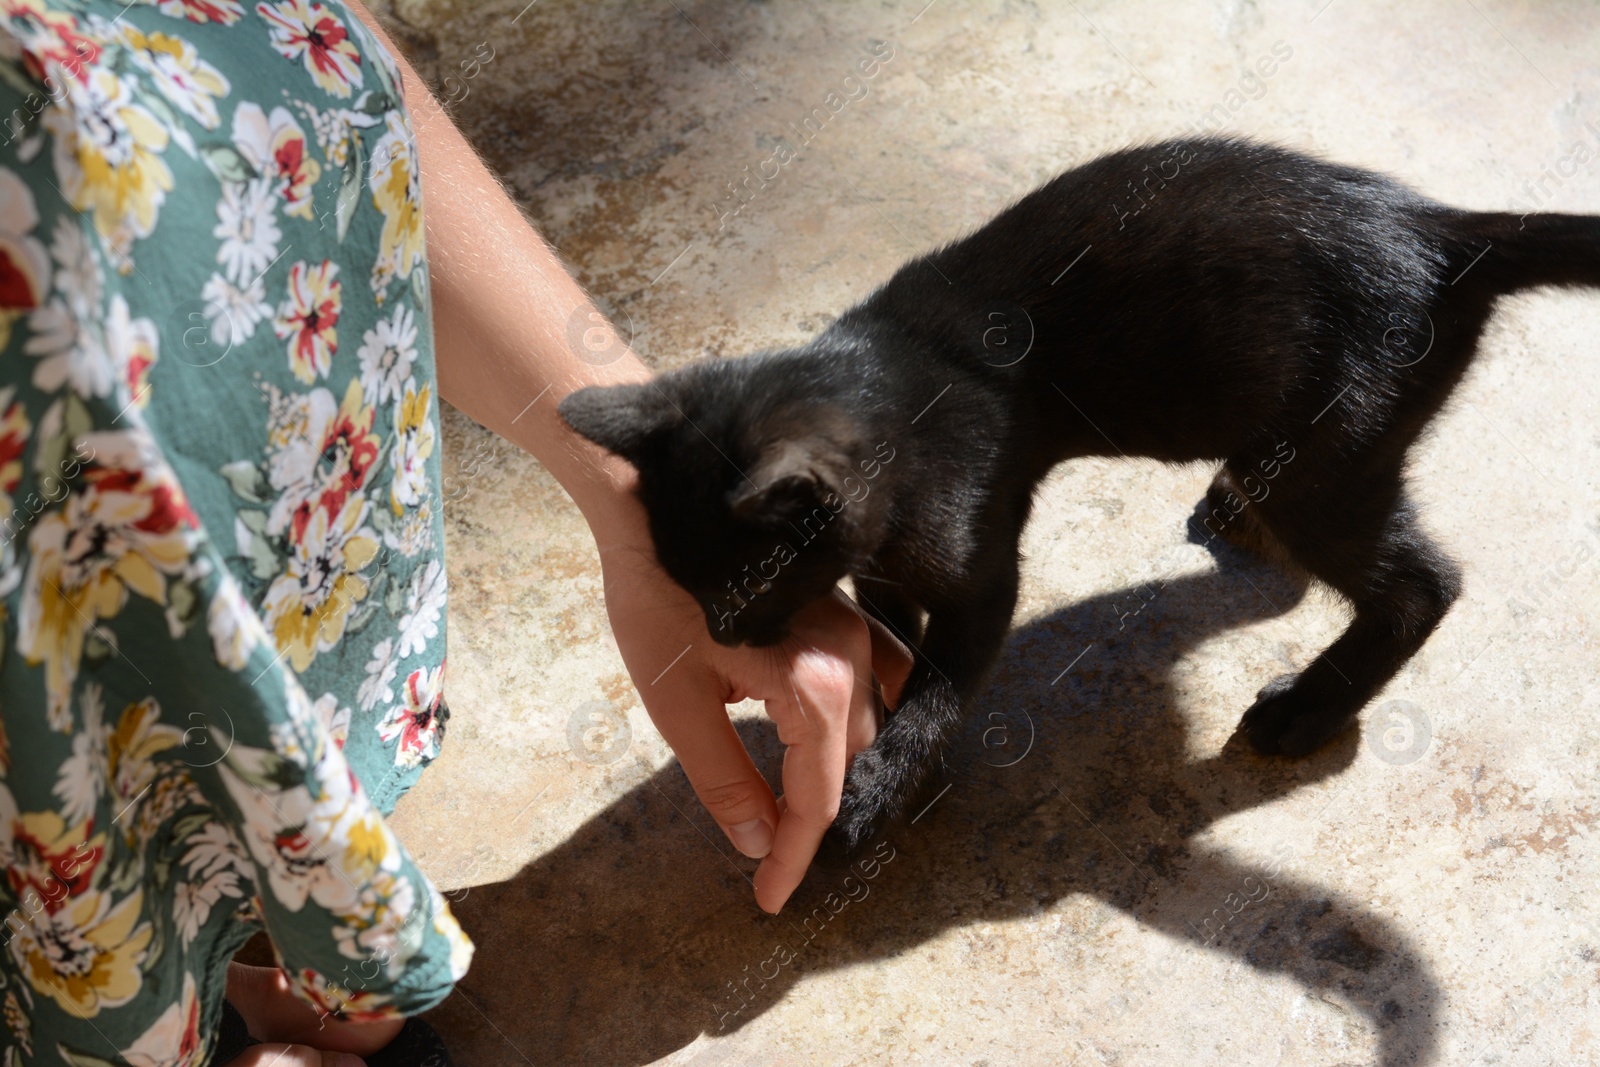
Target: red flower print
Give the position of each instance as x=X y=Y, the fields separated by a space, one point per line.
x=309 y=318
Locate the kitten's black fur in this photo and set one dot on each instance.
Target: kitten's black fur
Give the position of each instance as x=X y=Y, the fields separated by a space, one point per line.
x=1207 y=299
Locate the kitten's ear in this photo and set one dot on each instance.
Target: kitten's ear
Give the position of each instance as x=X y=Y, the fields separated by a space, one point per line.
x=624 y=419
x=790 y=478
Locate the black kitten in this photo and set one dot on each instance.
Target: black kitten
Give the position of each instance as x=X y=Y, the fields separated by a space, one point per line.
x=1198 y=300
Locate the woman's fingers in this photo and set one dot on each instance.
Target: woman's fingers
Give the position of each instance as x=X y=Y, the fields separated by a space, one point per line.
x=862 y=727
x=828 y=713
x=891 y=661
x=818 y=689
x=813 y=723
x=687 y=706
x=682 y=679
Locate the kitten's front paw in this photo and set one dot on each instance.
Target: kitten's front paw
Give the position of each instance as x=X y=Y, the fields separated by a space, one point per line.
x=1285 y=720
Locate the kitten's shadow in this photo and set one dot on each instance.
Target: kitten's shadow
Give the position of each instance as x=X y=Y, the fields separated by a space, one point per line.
x=639 y=932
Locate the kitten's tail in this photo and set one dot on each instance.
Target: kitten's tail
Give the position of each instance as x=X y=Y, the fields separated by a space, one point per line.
x=1503 y=252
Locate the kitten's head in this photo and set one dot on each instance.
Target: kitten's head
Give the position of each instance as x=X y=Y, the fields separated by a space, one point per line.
x=759 y=501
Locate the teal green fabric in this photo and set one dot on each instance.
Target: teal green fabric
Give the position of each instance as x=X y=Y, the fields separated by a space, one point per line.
x=222 y=589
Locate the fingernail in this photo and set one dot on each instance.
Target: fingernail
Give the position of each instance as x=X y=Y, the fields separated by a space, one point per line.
x=753 y=838
x=347 y=1060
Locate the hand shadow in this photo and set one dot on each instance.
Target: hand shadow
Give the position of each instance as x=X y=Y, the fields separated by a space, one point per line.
x=639 y=932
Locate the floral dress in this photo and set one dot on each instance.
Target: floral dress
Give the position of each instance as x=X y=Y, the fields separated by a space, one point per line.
x=222 y=590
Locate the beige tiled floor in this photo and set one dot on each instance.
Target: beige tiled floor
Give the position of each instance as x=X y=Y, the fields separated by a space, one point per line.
x=1100 y=899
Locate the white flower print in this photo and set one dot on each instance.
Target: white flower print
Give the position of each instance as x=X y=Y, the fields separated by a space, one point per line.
x=417 y=722
x=69 y=350
x=386 y=926
x=316 y=841
x=248 y=229
x=305 y=30
x=174 y=1039
x=276 y=147
x=177 y=70
x=387 y=353
x=412 y=533
x=193 y=900
x=232 y=314
x=424 y=602
x=214 y=848
x=235 y=629
x=24 y=256
x=131 y=347
x=84 y=774
x=334 y=719
x=136 y=873
x=217 y=868
x=380 y=675
x=396 y=183
x=223 y=12
x=295 y=429
x=132 y=747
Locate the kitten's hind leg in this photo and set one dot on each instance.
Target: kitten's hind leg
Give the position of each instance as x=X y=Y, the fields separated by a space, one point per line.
x=1364 y=540
x=960 y=646
x=1226 y=513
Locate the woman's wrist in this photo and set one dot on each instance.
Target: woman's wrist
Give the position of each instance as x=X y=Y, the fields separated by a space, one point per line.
x=603 y=486
x=611 y=506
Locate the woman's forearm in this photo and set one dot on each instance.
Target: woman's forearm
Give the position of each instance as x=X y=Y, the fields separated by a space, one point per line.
x=509 y=322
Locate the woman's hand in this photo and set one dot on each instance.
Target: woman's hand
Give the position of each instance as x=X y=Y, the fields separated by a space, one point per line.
x=504 y=315
x=817 y=686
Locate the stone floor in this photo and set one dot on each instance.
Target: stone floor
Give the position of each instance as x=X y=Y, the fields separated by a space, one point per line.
x=1107 y=879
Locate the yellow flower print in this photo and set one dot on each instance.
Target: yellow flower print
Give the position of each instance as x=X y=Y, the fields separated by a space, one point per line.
x=49 y=861
x=123 y=530
x=140 y=735
x=309 y=319
x=446 y=926
x=413 y=445
x=86 y=955
x=183 y=77
x=369 y=845
x=107 y=152
x=310 y=32
x=396 y=183
x=307 y=606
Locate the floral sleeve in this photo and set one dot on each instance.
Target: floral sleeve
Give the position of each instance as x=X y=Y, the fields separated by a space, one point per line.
x=218 y=497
